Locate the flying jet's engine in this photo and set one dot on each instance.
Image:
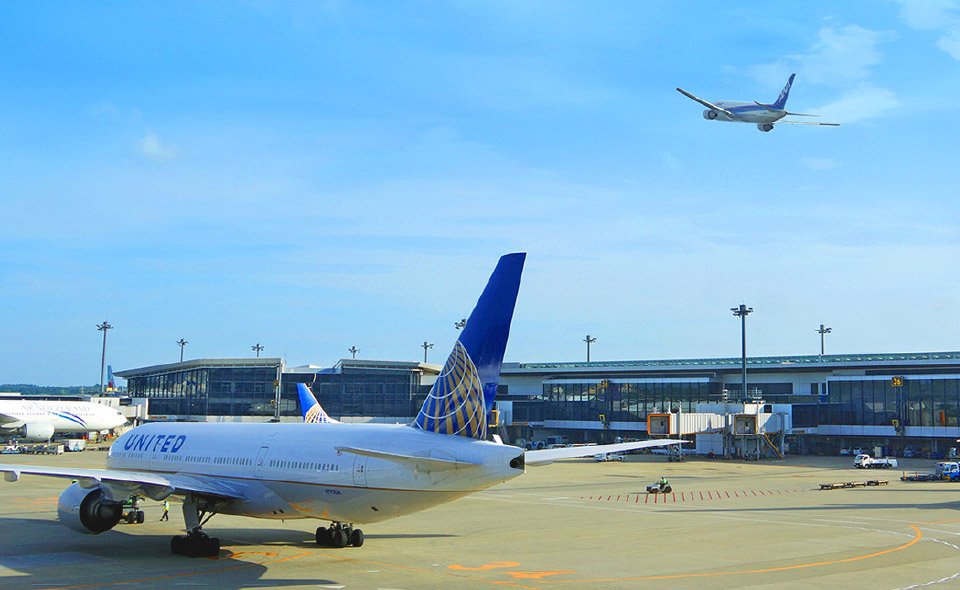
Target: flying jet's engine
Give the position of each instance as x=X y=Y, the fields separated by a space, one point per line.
x=37 y=431
x=710 y=114
x=765 y=127
x=88 y=511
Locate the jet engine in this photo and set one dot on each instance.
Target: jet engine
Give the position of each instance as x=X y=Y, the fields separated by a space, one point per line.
x=765 y=127
x=710 y=114
x=37 y=431
x=88 y=511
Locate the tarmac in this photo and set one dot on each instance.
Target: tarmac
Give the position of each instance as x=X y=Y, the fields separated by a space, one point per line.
x=575 y=524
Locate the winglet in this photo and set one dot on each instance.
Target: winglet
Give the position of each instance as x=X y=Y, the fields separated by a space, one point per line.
x=312 y=411
x=463 y=395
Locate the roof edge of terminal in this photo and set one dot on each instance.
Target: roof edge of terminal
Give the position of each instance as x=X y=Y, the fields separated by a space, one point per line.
x=200 y=363
x=779 y=361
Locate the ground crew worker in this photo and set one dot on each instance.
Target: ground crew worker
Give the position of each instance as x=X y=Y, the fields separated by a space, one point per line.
x=663 y=482
x=166 y=510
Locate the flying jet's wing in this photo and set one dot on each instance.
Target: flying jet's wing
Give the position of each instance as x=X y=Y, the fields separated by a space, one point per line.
x=546 y=456
x=122 y=482
x=707 y=104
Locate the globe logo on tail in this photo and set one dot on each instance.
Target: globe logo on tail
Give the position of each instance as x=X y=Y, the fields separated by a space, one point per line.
x=455 y=404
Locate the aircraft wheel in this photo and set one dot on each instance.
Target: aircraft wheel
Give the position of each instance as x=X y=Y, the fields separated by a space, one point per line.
x=339 y=539
x=323 y=536
x=178 y=545
x=210 y=547
x=356 y=538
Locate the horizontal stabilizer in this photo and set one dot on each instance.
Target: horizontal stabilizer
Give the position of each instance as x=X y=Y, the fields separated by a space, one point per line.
x=805 y=123
x=426 y=463
x=546 y=456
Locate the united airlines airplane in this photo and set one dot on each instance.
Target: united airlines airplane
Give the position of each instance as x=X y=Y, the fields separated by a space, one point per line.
x=39 y=420
x=764 y=115
x=346 y=474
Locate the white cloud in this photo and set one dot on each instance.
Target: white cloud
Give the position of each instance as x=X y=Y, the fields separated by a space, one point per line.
x=864 y=101
x=843 y=58
x=935 y=15
x=818 y=164
x=152 y=148
x=842 y=55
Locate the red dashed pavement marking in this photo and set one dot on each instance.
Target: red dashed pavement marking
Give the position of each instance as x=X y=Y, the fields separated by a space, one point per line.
x=672 y=497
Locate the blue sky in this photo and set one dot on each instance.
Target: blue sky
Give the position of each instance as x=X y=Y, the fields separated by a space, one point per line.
x=318 y=175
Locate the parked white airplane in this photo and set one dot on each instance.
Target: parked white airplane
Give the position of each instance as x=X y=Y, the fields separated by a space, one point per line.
x=764 y=115
x=39 y=420
x=343 y=473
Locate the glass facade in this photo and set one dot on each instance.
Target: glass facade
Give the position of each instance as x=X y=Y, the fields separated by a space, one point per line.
x=372 y=392
x=617 y=401
x=877 y=401
x=213 y=391
x=246 y=388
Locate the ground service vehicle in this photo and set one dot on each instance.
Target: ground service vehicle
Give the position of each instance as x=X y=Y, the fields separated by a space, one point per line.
x=659 y=488
x=865 y=461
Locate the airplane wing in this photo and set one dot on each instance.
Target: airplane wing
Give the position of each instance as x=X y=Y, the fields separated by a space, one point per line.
x=546 y=456
x=806 y=123
x=7 y=421
x=122 y=482
x=426 y=463
x=707 y=104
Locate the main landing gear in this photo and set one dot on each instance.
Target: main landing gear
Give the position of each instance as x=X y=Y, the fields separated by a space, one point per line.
x=339 y=535
x=196 y=543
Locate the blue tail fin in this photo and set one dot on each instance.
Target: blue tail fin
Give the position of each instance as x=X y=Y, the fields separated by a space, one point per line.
x=465 y=390
x=782 y=99
x=111 y=385
x=312 y=411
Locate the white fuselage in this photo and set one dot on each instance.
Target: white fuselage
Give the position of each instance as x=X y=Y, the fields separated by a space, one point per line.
x=294 y=470
x=747 y=112
x=63 y=416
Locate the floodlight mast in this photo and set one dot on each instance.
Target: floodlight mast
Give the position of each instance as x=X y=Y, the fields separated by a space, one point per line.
x=589 y=341
x=425 y=346
x=103 y=357
x=823 y=330
x=742 y=312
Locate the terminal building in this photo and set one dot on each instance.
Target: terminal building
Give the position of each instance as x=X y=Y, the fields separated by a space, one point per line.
x=903 y=403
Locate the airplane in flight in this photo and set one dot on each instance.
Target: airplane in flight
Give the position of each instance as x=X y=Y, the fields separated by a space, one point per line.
x=38 y=420
x=346 y=474
x=764 y=115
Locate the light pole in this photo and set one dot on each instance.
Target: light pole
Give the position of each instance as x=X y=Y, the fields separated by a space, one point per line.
x=425 y=346
x=256 y=348
x=823 y=330
x=353 y=350
x=461 y=324
x=182 y=343
x=103 y=357
x=589 y=341
x=742 y=312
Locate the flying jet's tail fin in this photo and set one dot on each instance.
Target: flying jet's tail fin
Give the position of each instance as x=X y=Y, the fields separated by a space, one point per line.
x=463 y=395
x=312 y=411
x=782 y=99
